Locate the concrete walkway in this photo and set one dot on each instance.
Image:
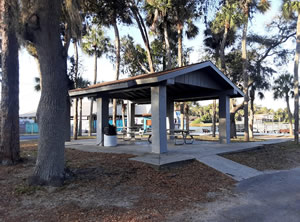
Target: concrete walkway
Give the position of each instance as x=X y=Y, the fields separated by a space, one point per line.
x=203 y=151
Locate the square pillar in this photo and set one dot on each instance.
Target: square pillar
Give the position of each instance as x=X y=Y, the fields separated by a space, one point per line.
x=102 y=118
x=170 y=118
x=224 y=119
x=130 y=116
x=158 y=112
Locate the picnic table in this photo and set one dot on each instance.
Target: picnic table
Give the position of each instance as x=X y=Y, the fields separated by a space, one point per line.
x=132 y=133
x=187 y=137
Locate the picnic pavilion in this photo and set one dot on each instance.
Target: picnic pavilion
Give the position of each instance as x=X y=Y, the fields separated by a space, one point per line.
x=201 y=81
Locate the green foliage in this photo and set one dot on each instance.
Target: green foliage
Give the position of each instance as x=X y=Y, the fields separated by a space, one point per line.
x=95 y=42
x=283 y=86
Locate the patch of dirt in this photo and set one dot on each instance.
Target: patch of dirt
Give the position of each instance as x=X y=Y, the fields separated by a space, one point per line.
x=269 y=157
x=106 y=187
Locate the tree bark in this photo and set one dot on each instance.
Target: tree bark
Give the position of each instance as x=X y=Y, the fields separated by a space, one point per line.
x=117 y=48
x=296 y=82
x=222 y=47
x=167 y=44
x=187 y=119
x=43 y=29
x=214 y=118
x=9 y=126
x=252 y=97
x=245 y=76
x=234 y=109
x=123 y=113
x=287 y=100
x=179 y=32
x=182 y=116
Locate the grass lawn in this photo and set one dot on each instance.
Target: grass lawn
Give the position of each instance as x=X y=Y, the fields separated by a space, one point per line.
x=107 y=187
x=269 y=157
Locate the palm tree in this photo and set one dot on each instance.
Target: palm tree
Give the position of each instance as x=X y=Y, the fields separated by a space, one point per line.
x=9 y=127
x=96 y=44
x=289 y=7
x=283 y=89
x=247 y=7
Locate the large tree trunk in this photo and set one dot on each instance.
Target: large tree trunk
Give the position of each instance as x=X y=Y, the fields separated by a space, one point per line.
x=9 y=127
x=167 y=45
x=214 y=118
x=80 y=118
x=117 y=48
x=296 y=82
x=245 y=76
x=143 y=31
x=44 y=28
x=91 y=122
x=289 y=114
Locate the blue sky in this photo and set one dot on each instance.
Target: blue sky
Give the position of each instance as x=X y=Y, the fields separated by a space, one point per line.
x=28 y=68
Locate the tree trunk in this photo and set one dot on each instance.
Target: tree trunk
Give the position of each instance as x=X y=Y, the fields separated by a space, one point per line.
x=296 y=82
x=117 y=48
x=251 y=134
x=49 y=168
x=182 y=116
x=289 y=114
x=80 y=118
x=179 y=32
x=245 y=77
x=214 y=118
x=92 y=99
x=167 y=44
x=143 y=31
x=234 y=109
x=222 y=47
x=123 y=114
x=187 y=119
x=10 y=142
x=75 y=119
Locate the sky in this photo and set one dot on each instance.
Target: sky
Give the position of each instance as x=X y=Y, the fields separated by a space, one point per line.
x=29 y=98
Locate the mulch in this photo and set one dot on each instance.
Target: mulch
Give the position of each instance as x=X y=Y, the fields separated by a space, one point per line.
x=269 y=157
x=107 y=187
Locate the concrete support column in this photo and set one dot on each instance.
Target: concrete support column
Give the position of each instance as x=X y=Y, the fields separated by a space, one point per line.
x=102 y=118
x=130 y=116
x=158 y=112
x=170 y=118
x=224 y=119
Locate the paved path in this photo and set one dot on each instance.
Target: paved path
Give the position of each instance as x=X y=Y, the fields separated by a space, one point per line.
x=233 y=169
x=272 y=197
